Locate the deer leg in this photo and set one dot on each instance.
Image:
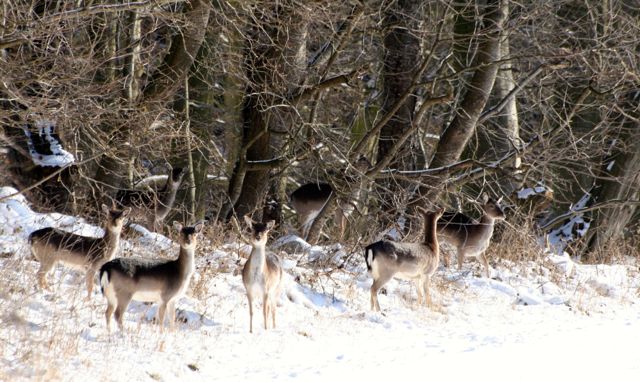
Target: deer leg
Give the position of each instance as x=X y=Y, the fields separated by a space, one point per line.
x=91 y=273
x=250 y=313
x=342 y=222
x=45 y=267
x=123 y=303
x=274 y=306
x=162 y=310
x=485 y=263
x=426 y=285
x=445 y=258
x=266 y=305
x=461 y=255
x=378 y=282
x=157 y=225
x=306 y=227
x=171 y=306
x=420 y=290
x=110 y=308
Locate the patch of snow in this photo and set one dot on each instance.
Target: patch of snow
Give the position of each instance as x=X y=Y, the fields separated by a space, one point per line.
x=150 y=239
x=560 y=237
x=59 y=157
x=525 y=193
x=325 y=329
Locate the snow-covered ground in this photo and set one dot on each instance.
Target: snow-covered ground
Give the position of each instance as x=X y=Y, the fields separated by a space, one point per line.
x=550 y=318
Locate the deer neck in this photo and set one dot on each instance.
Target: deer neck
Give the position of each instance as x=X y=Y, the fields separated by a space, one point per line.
x=487 y=223
x=431 y=234
x=258 y=256
x=186 y=259
x=111 y=240
x=167 y=196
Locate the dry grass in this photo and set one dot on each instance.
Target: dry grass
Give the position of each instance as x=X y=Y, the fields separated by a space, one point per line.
x=515 y=243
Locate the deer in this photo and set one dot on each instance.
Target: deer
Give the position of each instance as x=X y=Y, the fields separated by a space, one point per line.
x=161 y=204
x=310 y=198
x=262 y=273
x=417 y=262
x=469 y=237
x=161 y=281
x=51 y=246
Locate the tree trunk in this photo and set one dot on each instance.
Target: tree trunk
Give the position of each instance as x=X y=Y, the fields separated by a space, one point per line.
x=457 y=135
x=619 y=181
x=402 y=52
x=508 y=132
x=464 y=25
x=163 y=84
x=274 y=63
x=502 y=134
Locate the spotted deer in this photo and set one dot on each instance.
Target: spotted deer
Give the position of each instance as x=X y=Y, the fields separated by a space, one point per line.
x=154 y=208
x=410 y=261
x=262 y=273
x=51 y=246
x=469 y=237
x=162 y=281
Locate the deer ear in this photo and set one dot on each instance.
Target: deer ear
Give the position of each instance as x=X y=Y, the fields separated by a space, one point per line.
x=271 y=224
x=105 y=208
x=499 y=200
x=198 y=227
x=177 y=226
x=485 y=197
x=248 y=220
x=126 y=211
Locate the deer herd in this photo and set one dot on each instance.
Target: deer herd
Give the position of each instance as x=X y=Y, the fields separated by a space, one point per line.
x=165 y=281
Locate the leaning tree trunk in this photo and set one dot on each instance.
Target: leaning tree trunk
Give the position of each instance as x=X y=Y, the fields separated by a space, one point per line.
x=457 y=135
x=619 y=183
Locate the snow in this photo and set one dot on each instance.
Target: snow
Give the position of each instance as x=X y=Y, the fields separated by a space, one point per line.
x=59 y=157
x=525 y=193
x=553 y=318
x=560 y=237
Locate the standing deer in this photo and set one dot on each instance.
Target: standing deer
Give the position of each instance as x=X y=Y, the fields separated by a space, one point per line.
x=262 y=273
x=310 y=198
x=51 y=246
x=410 y=261
x=161 y=203
x=126 y=279
x=471 y=238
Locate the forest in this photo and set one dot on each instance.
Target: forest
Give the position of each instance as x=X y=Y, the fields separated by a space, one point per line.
x=393 y=105
x=218 y=161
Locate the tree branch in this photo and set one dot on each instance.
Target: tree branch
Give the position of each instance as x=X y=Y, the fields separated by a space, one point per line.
x=308 y=92
x=497 y=108
x=377 y=169
x=606 y=204
x=170 y=75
